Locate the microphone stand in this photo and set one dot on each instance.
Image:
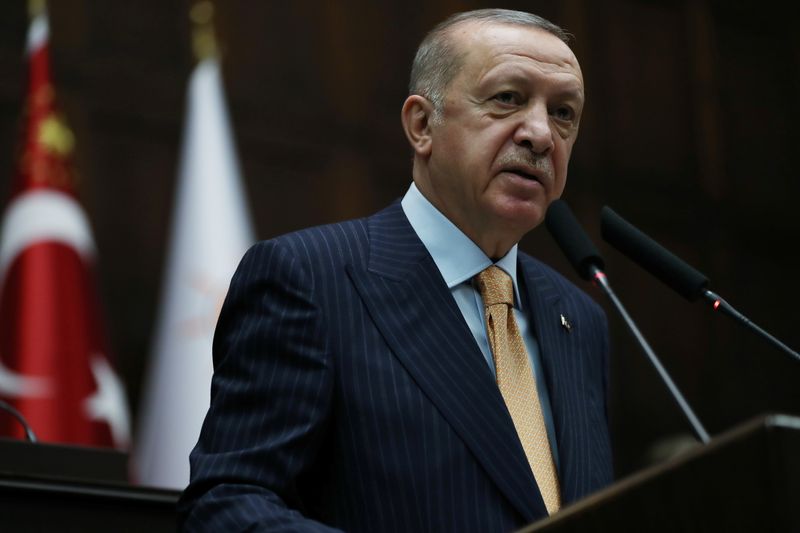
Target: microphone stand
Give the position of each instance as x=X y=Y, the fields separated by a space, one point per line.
x=601 y=281
x=719 y=304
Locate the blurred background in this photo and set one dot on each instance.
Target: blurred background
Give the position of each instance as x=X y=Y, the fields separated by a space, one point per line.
x=689 y=132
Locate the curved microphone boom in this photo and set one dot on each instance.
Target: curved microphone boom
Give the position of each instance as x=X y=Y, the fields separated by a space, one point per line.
x=671 y=270
x=585 y=258
x=29 y=434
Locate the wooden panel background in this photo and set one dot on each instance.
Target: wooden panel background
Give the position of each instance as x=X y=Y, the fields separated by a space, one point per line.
x=690 y=132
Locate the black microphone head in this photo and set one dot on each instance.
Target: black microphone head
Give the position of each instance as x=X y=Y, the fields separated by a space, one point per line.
x=572 y=240
x=651 y=256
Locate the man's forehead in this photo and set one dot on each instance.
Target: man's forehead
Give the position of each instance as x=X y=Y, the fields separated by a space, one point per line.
x=478 y=41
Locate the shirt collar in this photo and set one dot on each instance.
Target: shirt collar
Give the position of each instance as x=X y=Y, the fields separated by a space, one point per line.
x=456 y=256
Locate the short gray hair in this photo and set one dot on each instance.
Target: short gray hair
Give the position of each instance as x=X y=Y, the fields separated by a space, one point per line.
x=437 y=60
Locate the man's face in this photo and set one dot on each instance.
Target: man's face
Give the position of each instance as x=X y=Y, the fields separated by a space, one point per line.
x=499 y=152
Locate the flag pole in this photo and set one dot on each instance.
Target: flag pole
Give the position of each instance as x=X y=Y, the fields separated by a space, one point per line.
x=204 y=41
x=36 y=8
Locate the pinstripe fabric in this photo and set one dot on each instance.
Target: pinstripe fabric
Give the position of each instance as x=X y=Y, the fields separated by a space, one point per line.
x=337 y=400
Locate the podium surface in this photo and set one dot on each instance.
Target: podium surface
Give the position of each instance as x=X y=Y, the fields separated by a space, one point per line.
x=47 y=487
x=747 y=479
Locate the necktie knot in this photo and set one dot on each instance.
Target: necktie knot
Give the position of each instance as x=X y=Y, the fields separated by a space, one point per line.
x=495 y=287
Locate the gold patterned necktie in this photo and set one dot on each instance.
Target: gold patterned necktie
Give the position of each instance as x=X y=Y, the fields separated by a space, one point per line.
x=516 y=381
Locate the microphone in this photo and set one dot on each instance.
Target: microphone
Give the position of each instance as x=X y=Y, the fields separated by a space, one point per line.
x=671 y=270
x=651 y=256
x=586 y=260
x=572 y=240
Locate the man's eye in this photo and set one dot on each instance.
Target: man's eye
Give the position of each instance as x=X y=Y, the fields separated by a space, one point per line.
x=506 y=97
x=564 y=113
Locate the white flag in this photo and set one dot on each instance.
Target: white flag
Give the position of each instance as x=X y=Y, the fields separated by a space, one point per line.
x=211 y=231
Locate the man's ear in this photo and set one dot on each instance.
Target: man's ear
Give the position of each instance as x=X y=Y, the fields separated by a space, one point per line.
x=416 y=116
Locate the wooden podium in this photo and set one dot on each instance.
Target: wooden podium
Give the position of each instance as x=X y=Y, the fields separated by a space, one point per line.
x=46 y=487
x=747 y=479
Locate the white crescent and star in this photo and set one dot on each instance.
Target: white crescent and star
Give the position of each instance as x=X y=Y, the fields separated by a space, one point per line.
x=108 y=403
x=52 y=216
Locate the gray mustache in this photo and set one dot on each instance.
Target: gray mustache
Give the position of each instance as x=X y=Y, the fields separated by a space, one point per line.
x=527 y=159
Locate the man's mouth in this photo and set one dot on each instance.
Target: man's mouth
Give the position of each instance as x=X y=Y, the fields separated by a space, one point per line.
x=523 y=173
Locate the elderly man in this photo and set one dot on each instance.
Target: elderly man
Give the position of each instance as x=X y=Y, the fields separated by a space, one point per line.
x=412 y=371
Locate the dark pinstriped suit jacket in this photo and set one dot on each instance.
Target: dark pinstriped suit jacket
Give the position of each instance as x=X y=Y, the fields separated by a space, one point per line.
x=349 y=390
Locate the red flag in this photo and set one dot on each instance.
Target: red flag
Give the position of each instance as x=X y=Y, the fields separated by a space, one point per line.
x=54 y=365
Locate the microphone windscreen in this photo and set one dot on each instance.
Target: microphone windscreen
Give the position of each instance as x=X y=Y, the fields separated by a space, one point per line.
x=651 y=256
x=572 y=240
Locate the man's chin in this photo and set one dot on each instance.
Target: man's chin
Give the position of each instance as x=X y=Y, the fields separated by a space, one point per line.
x=521 y=219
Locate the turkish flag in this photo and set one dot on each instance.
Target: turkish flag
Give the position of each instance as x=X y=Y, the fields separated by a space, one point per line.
x=54 y=365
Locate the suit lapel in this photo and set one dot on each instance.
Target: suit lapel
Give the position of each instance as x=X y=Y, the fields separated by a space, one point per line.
x=564 y=372
x=415 y=312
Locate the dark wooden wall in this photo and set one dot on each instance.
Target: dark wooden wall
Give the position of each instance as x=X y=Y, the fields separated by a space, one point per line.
x=689 y=132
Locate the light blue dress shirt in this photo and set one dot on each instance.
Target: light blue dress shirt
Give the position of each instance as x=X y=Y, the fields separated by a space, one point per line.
x=459 y=260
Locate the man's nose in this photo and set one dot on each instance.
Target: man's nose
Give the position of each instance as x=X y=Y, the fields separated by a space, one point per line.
x=534 y=130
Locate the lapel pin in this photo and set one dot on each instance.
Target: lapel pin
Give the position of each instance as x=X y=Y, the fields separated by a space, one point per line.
x=565 y=323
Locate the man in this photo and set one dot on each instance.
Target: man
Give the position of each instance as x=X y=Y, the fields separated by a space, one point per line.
x=368 y=377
